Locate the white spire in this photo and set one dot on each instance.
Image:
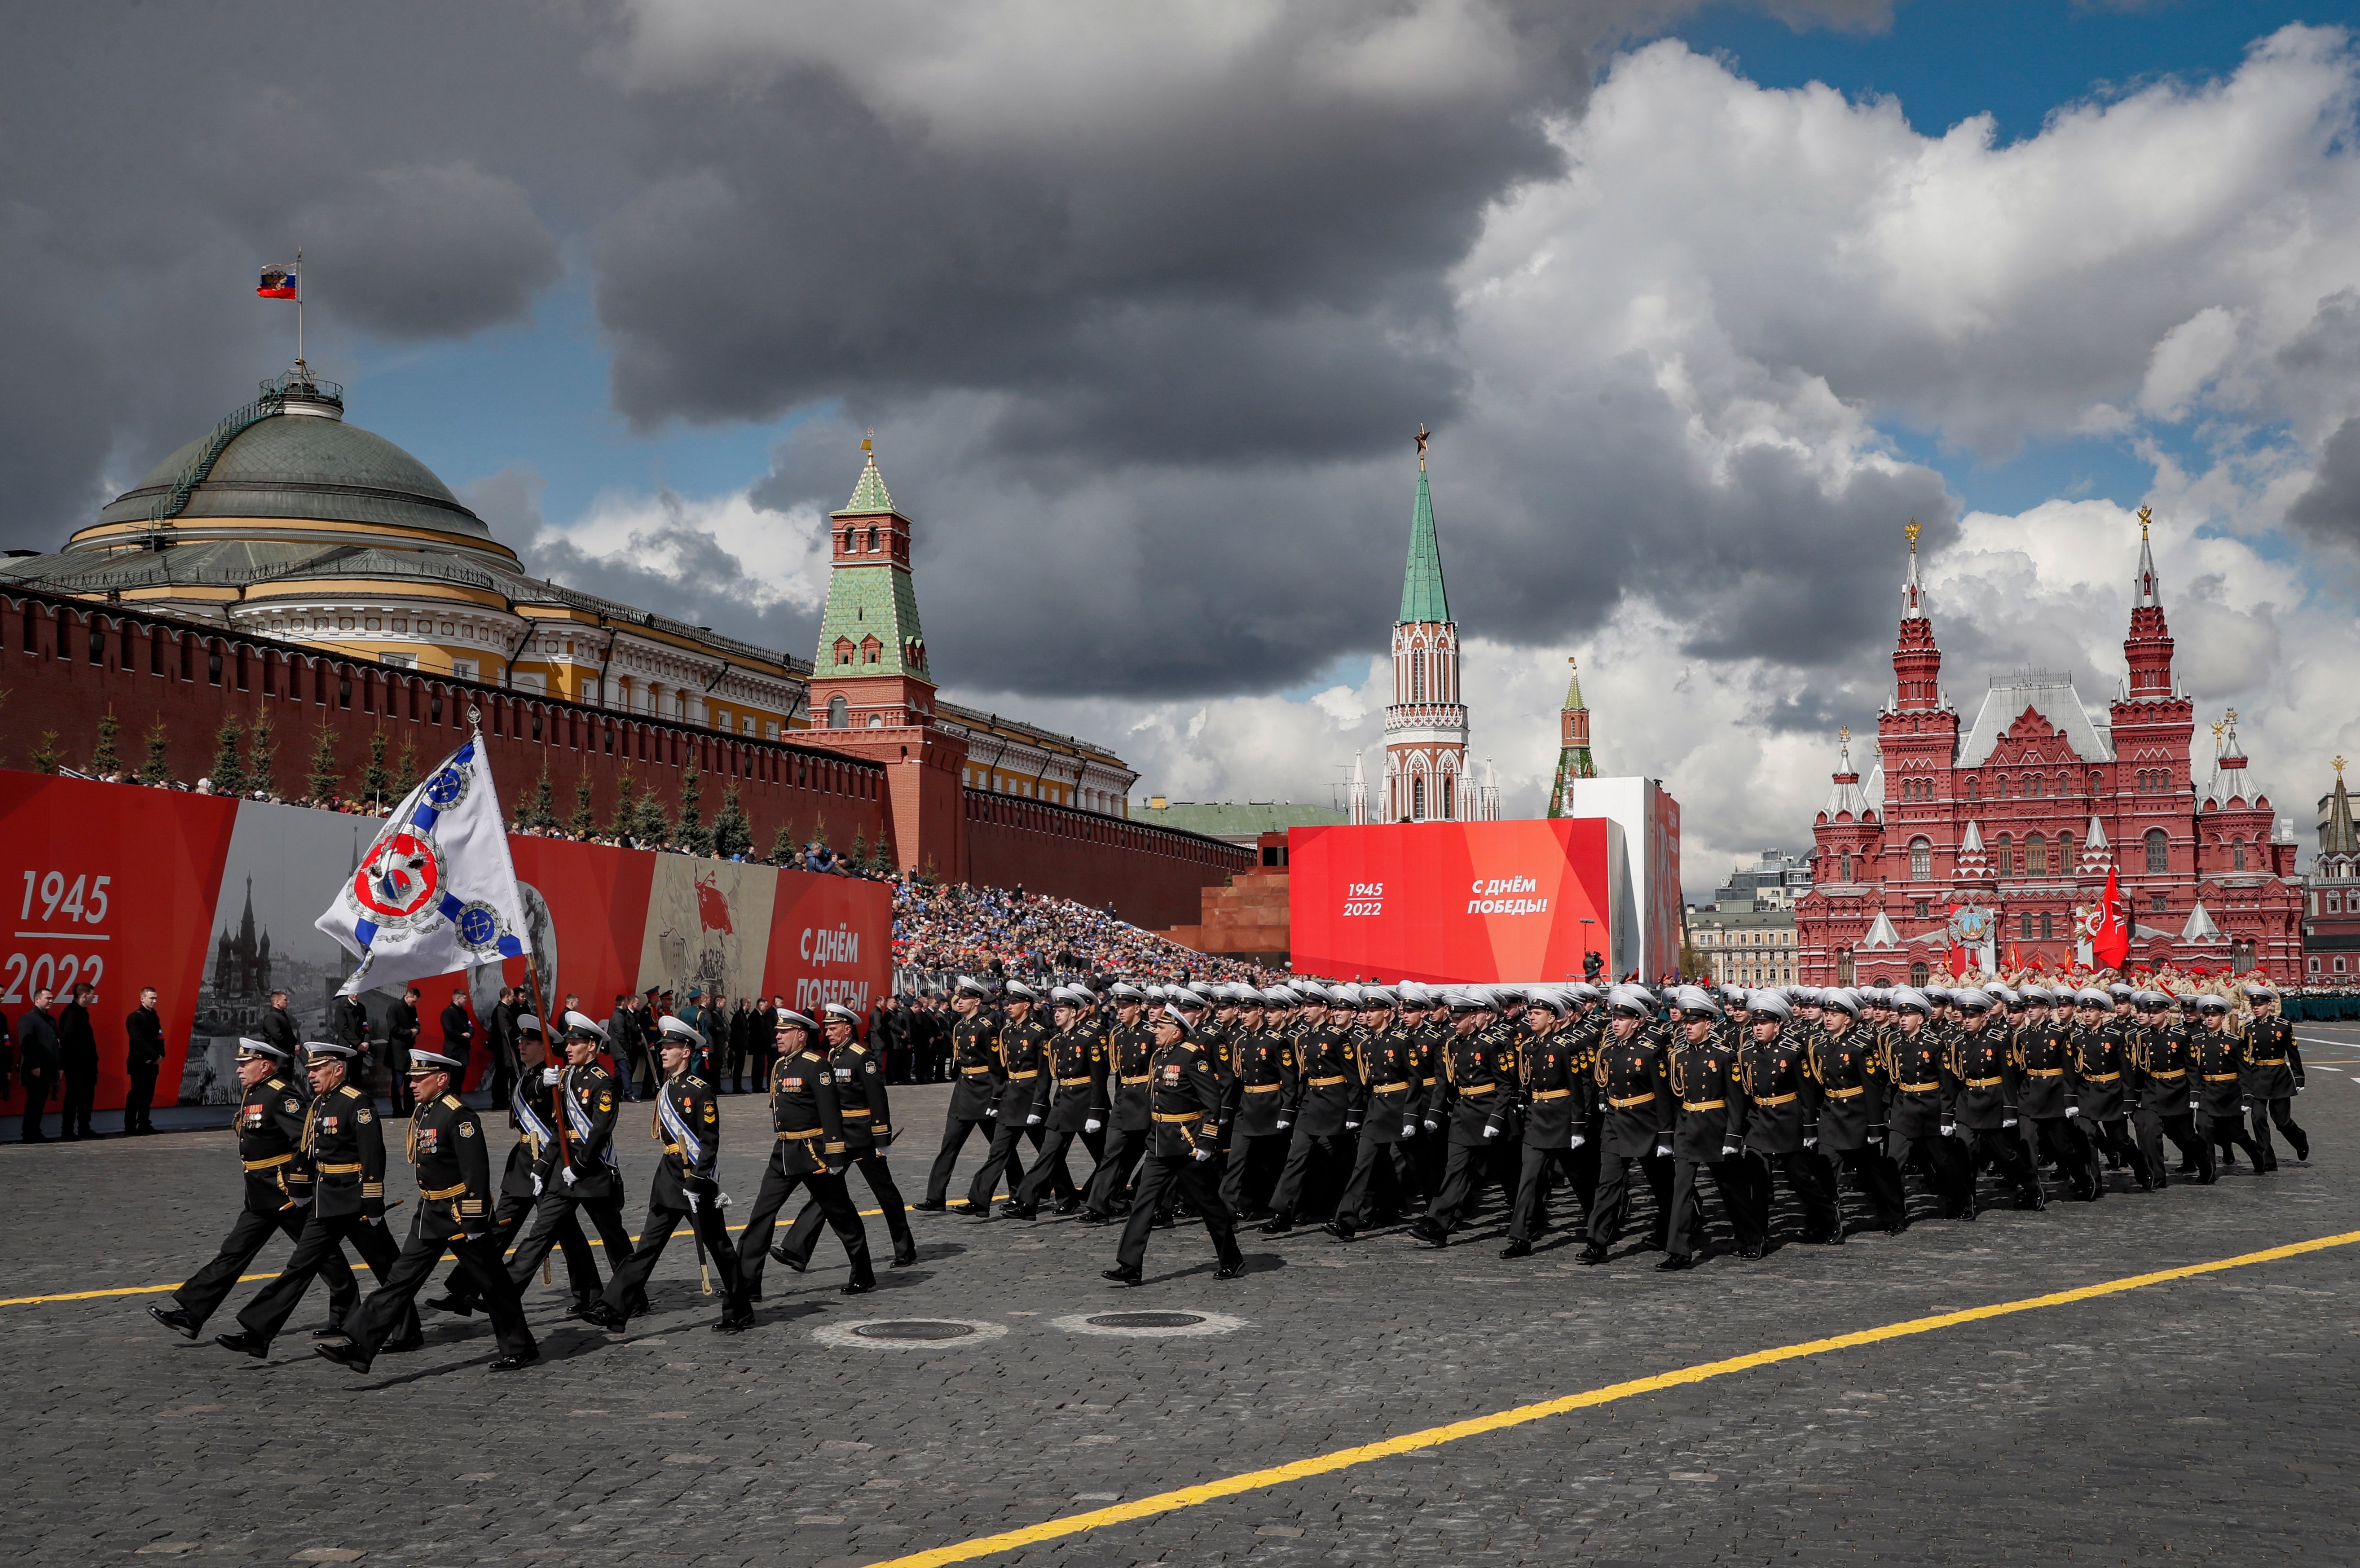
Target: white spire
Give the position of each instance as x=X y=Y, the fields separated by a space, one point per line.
x=2200 y=926
x=1880 y=932
x=1973 y=842
x=2143 y=590
x=1913 y=596
x=1360 y=796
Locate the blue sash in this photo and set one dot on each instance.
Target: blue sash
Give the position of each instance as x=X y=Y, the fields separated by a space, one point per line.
x=676 y=1130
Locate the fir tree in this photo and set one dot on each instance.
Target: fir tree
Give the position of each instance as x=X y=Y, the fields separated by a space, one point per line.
x=323 y=778
x=691 y=833
x=860 y=856
x=627 y=807
x=782 y=848
x=372 y=777
x=46 y=756
x=103 y=762
x=157 y=767
x=732 y=833
x=819 y=829
x=584 y=823
x=405 y=770
x=262 y=758
x=229 y=768
x=655 y=828
x=541 y=811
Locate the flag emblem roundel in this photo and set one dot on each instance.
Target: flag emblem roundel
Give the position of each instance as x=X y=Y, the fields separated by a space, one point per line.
x=400 y=878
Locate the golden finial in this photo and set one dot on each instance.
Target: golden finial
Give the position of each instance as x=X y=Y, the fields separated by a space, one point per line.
x=1422 y=439
x=1913 y=530
x=2339 y=768
x=2233 y=718
x=2146 y=516
x=1843 y=736
x=869 y=441
x=2218 y=725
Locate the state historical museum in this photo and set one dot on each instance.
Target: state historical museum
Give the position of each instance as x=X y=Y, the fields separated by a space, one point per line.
x=1999 y=840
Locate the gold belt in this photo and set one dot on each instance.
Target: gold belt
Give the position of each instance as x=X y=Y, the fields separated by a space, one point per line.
x=1478 y=1088
x=853 y=1111
x=2175 y=1072
x=1553 y=1094
x=352 y=1170
x=1398 y=1087
x=1013 y=1077
x=1265 y=1088
x=1847 y=1094
x=1183 y=1117
x=1134 y=1082
x=2271 y=1061
x=1985 y=1083
x=1326 y=1082
x=1074 y=1082
x=273 y=1163
x=2209 y=1078
x=971 y=1072
x=2045 y=1072
x=1643 y=1100
x=808 y=1132
x=1921 y=1088
x=1702 y=1104
x=2100 y=1077
x=436 y=1194
x=1425 y=1083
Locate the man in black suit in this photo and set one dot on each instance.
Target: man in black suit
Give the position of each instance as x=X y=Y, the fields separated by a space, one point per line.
x=278 y=1027
x=143 y=1059
x=78 y=1061
x=623 y=1040
x=401 y=1034
x=37 y=1060
x=501 y=1030
x=458 y=1034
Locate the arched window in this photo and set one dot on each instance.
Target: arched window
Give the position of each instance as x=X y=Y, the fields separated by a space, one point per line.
x=1975 y=789
x=836 y=708
x=2236 y=855
x=2158 y=850
x=2024 y=926
x=2005 y=851
x=2065 y=854
x=1846 y=875
x=1417 y=675
x=2035 y=855
x=1448 y=792
x=1918 y=975
x=1921 y=860
x=1417 y=797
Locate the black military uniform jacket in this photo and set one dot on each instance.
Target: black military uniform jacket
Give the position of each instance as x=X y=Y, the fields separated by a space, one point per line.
x=974 y=1066
x=1184 y=1100
x=1781 y=1093
x=1391 y=1064
x=1556 y=1090
x=2272 y=1061
x=2220 y=1070
x=269 y=1140
x=2165 y=1060
x=1708 y=1081
x=532 y=1111
x=2098 y=1070
x=2043 y=1055
x=586 y=1097
x=860 y=1098
x=1635 y=1095
x=1478 y=1077
x=804 y=1110
x=1132 y=1045
x=1262 y=1072
x=687 y=1122
x=1074 y=1082
x=1919 y=1090
x=1326 y=1082
x=345 y=1146
x=1024 y=1058
x=1982 y=1063
x=455 y=1172
x=1852 y=1087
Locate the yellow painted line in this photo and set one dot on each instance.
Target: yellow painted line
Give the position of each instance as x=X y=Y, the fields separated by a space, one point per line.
x=1434 y=1437
x=243 y=1280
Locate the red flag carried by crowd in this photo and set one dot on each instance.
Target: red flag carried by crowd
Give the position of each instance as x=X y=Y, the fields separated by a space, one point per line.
x=2111 y=942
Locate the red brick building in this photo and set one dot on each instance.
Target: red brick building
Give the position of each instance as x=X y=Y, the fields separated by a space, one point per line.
x=1999 y=837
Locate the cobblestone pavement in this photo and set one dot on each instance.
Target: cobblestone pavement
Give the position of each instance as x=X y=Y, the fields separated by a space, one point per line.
x=2192 y=1421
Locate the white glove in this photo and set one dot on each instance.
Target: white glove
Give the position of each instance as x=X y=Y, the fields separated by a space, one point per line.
x=691 y=1202
x=2008 y=1122
x=1491 y=1132
x=1728 y=1149
x=1033 y=1121
x=568 y=1174
x=1431 y=1124
x=1351 y=1126
x=1204 y=1154
x=1092 y=1125
x=1949 y=1129
x=2073 y=1111
x=991 y=1111
x=1284 y=1125
x=1409 y=1129
x=536 y=1184
x=1810 y=1143
x=1663 y=1152
x=548 y=1074
x=1577 y=1141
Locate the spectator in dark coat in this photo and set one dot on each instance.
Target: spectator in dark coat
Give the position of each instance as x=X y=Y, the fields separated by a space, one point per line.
x=458 y=1034
x=78 y=1063
x=278 y=1027
x=37 y=1052
x=143 y=1058
x=401 y=1034
x=623 y=1039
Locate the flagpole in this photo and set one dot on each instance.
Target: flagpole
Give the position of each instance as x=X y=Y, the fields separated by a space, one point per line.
x=299 y=314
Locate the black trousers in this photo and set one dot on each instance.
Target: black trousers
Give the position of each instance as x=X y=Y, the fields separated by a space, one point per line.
x=1464 y=1170
x=140 y=1099
x=581 y=1269
x=2224 y=1133
x=265 y=1314
x=1124 y=1146
x=2060 y=1139
x=626 y=1291
x=211 y=1285
x=1354 y=1207
x=804 y=1235
x=2153 y=1128
x=397 y=1059
x=551 y=1211
x=392 y=1302
x=1685 y=1238
x=1948 y=1171
x=1250 y=1174
x=1808 y=1178
x=1308 y=1154
x=2114 y=1138
x=826 y=1190
x=1193 y=1179
x=955 y=1131
x=2280 y=1111
x=37 y=1082
x=1613 y=1200
x=2002 y=1149
x=1879 y=1179
x=1003 y=1158
x=1532 y=1186
x=1050 y=1171
x=81 y=1096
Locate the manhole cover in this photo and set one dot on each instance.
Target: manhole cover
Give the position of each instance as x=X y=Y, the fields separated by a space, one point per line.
x=1148 y=1325
x=1146 y=1320
x=920 y=1329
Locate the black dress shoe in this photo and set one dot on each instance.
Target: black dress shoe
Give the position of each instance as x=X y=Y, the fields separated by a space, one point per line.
x=1341 y=1230
x=1756 y=1253
x=1092 y=1217
x=1068 y=1206
x=1121 y=1276
x=738 y=1325
x=1590 y=1255
x=1025 y=1211
x=930 y=1208
x=1278 y=1225
x=2035 y=1201
x=974 y=1210
x=329 y=1330
x=856 y=1287
x=403 y=1346
x=347 y=1357
x=516 y=1363
x=779 y=1254
x=1231 y=1268
x=1674 y=1263
x=176 y=1320
x=450 y=1304
x=905 y=1256
x=1517 y=1249
x=253 y=1344
x=598 y=1314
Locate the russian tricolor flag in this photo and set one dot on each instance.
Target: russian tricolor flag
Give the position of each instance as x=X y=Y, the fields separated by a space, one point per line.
x=279 y=283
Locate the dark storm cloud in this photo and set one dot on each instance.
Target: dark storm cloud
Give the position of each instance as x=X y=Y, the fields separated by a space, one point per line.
x=2330 y=510
x=431 y=252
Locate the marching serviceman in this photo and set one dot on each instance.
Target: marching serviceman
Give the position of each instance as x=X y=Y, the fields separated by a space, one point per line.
x=687 y=1123
x=976 y=1077
x=1853 y=1125
x=1983 y=1106
x=809 y=1152
x=1072 y=1100
x=2221 y=1074
x=1479 y=1075
x=532 y=1104
x=344 y=1144
x=278 y=1195
x=1183 y=1103
x=860 y=1100
x=454 y=1213
x=1132 y=1042
x=1393 y=1101
x=1702 y=1068
x=1917 y=1110
x=584 y=1174
x=2042 y=1054
x=1261 y=1060
x=1636 y=1096
x=2163 y=1059
x=1780 y=1125
x=1024 y=1043
x=2100 y=1070
x=2272 y=1064
x=1321 y=1107
x=1553 y=1077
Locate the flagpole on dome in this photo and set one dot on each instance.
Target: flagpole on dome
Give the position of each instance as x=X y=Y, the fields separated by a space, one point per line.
x=304 y=370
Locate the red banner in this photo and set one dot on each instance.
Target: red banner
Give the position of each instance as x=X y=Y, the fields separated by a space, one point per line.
x=1475 y=902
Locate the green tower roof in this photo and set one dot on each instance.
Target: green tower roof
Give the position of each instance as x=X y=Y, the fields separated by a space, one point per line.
x=1422 y=595
x=869 y=496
